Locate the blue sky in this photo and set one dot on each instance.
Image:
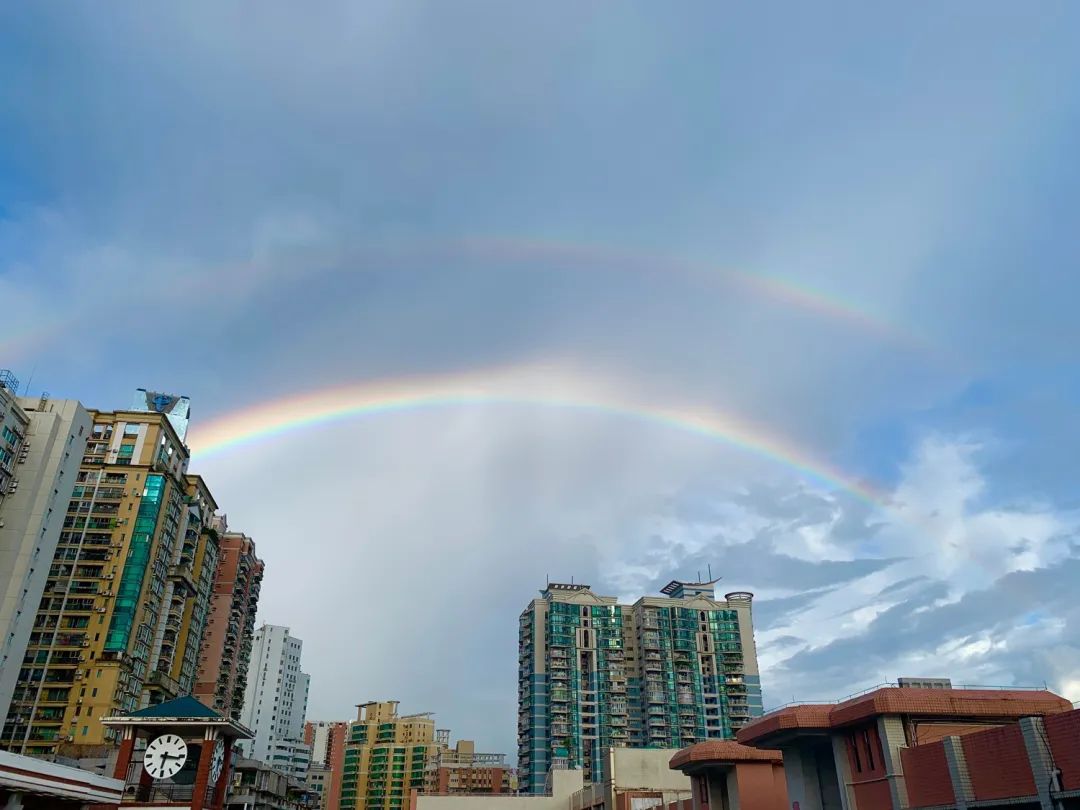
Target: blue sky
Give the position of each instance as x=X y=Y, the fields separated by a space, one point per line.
x=250 y=202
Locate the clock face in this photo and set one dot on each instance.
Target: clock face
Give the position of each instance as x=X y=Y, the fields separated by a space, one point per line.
x=217 y=760
x=165 y=756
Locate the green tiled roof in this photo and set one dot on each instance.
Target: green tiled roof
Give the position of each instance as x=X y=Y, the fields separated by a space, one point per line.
x=182 y=707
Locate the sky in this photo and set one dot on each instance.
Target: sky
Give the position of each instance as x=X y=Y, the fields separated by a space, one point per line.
x=469 y=296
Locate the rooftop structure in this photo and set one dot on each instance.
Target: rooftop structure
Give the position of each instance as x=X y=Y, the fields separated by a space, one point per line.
x=729 y=776
x=848 y=755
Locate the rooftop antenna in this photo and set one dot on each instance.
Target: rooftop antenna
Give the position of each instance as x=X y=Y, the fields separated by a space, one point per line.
x=699 y=575
x=26 y=388
x=710 y=572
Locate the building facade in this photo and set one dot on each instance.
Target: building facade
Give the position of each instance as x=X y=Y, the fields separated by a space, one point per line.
x=726 y=775
x=895 y=748
x=275 y=702
x=664 y=672
x=258 y=786
x=41 y=447
x=327 y=741
x=226 y=648
x=110 y=635
x=634 y=779
x=178 y=638
x=386 y=757
x=461 y=770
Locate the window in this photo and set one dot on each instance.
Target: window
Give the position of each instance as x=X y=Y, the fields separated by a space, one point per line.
x=853 y=741
x=869 y=749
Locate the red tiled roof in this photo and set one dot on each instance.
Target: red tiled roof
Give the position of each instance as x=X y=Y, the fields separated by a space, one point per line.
x=949 y=703
x=722 y=751
x=944 y=703
x=791 y=718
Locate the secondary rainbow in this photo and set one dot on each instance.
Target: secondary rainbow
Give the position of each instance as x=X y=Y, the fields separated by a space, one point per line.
x=268 y=420
x=780 y=290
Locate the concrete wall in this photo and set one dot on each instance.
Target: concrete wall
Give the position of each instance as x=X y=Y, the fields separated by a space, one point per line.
x=646 y=769
x=564 y=785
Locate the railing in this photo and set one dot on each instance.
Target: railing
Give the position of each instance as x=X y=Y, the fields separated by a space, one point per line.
x=160 y=792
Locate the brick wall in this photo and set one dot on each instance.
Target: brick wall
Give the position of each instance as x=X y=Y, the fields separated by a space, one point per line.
x=926 y=772
x=1063 y=732
x=998 y=763
x=932 y=731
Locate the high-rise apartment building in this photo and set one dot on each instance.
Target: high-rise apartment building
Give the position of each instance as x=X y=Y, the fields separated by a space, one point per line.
x=664 y=672
x=386 y=756
x=119 y=622
x=461 y=770
x=327 y=740
x=276 y=701
x=187 y=595
x=226 y=649
x=41 y=447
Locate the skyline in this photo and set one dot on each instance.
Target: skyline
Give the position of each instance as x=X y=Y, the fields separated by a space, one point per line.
x=465 y=298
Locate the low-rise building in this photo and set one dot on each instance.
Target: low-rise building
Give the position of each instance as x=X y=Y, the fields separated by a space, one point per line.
x=33 y=784
x=461 y=770
x=870 y=752
x=728 y=776
x=258 y=786
x=635 y=779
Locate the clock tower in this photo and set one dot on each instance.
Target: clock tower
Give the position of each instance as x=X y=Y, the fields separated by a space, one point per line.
x=175 y=755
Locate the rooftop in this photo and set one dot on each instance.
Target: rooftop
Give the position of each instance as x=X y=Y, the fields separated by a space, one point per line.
x=976 y=704
x=720 y=752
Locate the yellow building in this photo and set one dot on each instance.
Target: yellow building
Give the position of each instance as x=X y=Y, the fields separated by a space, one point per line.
x=188 y=593
x=386 y=756
x=122 y=615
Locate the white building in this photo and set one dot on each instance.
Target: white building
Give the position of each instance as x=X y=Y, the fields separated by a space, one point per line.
x=275 y=701
x=41 y=447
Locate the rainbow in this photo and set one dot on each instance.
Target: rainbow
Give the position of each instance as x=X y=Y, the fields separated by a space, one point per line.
x=542 y=254
x=518 y=386
x=785 y=291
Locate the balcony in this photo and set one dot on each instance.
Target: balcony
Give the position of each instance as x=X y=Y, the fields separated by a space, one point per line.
x=164 y=683
x=183 y=577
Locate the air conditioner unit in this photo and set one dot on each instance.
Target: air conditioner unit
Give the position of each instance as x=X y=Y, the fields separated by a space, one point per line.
x=79 y=701
x=99 y=610
x=79 y=674
x=86 y=644
x=109 y=576
x=71 y=738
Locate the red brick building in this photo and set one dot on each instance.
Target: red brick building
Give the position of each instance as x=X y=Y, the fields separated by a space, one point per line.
x=226 y=645
x=728 y=776
x=897 y=748
x=462 y=771
x=327 y=741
